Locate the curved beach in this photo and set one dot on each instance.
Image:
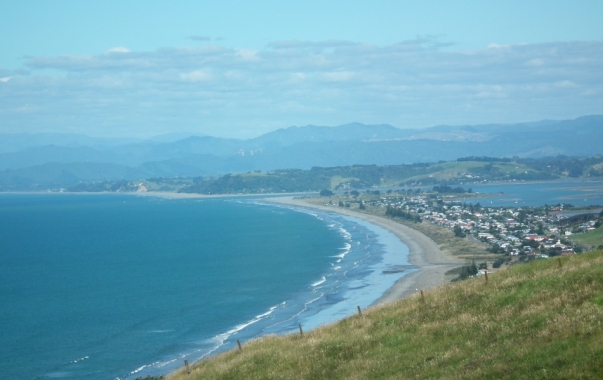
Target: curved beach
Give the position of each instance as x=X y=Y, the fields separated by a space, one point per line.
x=424 y=253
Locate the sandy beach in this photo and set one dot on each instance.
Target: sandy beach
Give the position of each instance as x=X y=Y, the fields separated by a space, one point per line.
x=424 y=253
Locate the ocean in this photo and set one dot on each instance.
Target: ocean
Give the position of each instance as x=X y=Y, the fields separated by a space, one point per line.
x=119 y=287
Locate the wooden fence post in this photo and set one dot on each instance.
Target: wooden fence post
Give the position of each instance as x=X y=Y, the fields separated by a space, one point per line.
x=239 y=344
x=301 y=332
x=188 y=370
x=422 y=296
x=359 y=311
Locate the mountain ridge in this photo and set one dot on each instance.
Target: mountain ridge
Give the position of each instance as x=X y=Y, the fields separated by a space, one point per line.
x=294 y=147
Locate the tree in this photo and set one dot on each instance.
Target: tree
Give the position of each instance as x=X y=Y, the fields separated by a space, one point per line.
x=540 y=230
x=498 y=263
x=495 y=248
x=458 y=232
x=399 y=213
x=467 y=271
x=354 y=193
x=326 y=193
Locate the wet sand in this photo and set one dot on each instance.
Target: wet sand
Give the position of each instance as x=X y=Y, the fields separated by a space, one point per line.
x=424 y=253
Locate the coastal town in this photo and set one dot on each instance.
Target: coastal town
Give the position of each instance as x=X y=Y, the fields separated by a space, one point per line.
x=514 y=234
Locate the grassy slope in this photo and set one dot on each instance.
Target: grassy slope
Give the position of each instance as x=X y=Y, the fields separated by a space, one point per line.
x=452 y=170
x=448 y=170
x=590 y=239
x=531 y=321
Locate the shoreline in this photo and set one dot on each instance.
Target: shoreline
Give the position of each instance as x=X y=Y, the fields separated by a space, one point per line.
x=424 y=253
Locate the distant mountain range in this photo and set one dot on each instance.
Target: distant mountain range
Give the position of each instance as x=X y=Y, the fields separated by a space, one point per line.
x=51 y=160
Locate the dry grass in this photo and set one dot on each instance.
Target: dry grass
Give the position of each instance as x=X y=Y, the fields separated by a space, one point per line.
x=459 y=247
x=448 y=243
x=532 y=321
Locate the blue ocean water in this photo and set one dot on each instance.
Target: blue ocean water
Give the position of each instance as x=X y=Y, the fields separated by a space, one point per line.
x=117 y=287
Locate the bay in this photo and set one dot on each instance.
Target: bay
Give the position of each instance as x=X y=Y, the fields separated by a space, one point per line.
x=116 y=287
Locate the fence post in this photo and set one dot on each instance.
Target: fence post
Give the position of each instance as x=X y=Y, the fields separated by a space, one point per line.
x=239 y=344
x=359 y=311
x=301 y=332
x=188 y=370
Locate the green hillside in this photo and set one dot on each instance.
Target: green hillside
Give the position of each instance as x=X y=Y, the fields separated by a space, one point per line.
x=532 y=321
x=590 y=239
x=177 y=175
x=464 y=171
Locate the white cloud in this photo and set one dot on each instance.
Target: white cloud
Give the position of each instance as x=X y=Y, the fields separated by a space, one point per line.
x=590 y=92
x=119 y=49
x=566 y=84
x=196 y=76
x=414 y=83
x=248 y=54
x=235 y=75
x=199 y=38
x=297 y=77
x=27 y=109
x=535 y=62
x=495 y=91
x=295 y=44
x=338 y=76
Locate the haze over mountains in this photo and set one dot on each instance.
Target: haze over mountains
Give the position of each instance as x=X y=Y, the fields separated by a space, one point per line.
x=62 y=160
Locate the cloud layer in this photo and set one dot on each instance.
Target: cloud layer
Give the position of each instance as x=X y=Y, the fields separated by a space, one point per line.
x=243 y=93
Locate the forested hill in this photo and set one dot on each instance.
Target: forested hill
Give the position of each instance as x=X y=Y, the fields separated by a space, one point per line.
x=465 y=172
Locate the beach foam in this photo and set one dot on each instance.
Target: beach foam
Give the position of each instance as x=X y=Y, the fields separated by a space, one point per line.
x=321 y=281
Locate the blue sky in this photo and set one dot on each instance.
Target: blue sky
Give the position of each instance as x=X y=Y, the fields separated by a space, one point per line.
x=240 y=68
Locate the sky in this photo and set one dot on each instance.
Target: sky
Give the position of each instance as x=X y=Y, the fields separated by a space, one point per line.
x=240 y=69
